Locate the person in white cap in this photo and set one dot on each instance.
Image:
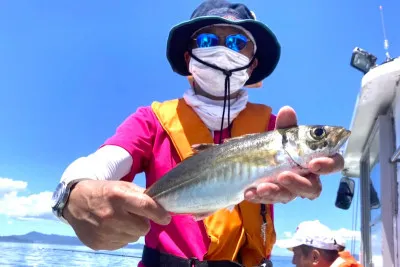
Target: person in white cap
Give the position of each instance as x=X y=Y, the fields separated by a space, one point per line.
x=314 y=244
x=344 y=255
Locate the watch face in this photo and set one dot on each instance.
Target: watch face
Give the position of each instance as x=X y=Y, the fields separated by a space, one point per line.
x=58 y=193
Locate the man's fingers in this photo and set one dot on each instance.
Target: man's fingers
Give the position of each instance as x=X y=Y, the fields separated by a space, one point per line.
x=136 y=202
x=113 y=245
x=143 y=205
x=122 y=237
x=250 y=194
x=269 y=193
x=132 y=225
x=285 y=118
x=309 y=187
x=327 y=165
x=129 y=187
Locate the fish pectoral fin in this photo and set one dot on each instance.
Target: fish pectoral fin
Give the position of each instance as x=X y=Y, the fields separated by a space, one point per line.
x=239 y=137
x=200 y=147
x=202 y=216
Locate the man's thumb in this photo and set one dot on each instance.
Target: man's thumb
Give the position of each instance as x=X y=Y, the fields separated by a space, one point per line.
x=133 y=187
x=286 y=118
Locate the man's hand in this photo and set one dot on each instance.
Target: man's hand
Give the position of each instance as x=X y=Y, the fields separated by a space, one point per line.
x=289 y=185
x=107 y=215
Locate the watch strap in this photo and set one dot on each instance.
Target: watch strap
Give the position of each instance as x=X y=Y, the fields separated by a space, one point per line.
x=58 y=209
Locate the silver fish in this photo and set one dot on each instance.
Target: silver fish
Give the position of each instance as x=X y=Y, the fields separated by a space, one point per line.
x=217 y=176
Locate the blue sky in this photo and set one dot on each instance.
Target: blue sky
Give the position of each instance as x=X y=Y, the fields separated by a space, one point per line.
x=71 y=72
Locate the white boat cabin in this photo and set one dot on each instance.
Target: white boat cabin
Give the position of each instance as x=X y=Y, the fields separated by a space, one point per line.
x=372 y=155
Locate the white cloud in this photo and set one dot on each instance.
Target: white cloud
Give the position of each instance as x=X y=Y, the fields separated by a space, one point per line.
x=287 y=234
x=348 y=235
x=8 y=185
x=34 y=206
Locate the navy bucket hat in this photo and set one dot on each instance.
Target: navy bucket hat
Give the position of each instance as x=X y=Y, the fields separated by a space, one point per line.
x=222 y=12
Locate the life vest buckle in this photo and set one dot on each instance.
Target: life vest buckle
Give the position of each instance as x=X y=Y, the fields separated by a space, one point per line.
x=266 y=263
x=193 y=261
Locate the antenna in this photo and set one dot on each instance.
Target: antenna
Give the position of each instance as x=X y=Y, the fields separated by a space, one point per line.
x=386 y=42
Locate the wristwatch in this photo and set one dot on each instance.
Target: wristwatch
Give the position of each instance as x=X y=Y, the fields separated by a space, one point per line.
x=60 y=197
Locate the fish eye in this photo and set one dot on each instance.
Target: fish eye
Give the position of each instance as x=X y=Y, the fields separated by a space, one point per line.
x=318 y=132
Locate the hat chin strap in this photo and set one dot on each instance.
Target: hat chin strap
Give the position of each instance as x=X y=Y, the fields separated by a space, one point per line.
x=228 y=74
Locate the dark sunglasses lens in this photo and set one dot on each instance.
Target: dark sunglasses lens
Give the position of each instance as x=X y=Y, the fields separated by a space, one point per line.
x=206 y=40
x=236 y=42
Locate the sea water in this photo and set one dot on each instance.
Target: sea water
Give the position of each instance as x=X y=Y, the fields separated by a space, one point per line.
x=46 y=255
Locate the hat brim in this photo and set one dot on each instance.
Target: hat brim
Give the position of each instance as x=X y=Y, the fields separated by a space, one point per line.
x=267 y=54
x=288 y=243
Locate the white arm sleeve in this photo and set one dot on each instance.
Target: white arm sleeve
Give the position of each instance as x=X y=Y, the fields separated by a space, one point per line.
x=107 y=163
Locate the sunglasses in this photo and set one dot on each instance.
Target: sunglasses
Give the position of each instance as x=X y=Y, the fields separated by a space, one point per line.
x=236 y=42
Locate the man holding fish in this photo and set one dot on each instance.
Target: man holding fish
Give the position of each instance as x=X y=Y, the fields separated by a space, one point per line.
x=205 y=204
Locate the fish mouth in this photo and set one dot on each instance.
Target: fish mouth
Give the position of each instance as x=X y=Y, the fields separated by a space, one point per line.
x=293 y=161
x=341 y=136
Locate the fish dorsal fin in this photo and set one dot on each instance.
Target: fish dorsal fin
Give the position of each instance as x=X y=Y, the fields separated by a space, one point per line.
x=201 y=147
x=240 y=137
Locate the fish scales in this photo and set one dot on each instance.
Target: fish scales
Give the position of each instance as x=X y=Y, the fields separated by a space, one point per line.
x=216 y=162
x=217 y=176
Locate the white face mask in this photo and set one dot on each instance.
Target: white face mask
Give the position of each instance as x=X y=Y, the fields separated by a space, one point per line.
x=211 y=80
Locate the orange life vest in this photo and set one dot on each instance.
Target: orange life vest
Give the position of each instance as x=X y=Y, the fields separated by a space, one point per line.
x=233 y=232
x=346 y=260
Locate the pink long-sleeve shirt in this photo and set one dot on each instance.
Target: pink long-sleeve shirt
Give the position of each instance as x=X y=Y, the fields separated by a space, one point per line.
x=154 y=154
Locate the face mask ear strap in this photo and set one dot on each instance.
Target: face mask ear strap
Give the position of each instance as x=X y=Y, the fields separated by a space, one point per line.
x=244 y=67
x=226 y=72
x=206 y=63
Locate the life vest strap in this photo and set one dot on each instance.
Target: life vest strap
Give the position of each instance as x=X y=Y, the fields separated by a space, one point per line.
x=153 y=258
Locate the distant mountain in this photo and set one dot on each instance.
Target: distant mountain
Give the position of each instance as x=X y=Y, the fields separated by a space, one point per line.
x=36 y=237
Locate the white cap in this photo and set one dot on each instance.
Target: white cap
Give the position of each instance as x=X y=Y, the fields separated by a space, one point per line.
x=310 y=233
x=340 y=240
